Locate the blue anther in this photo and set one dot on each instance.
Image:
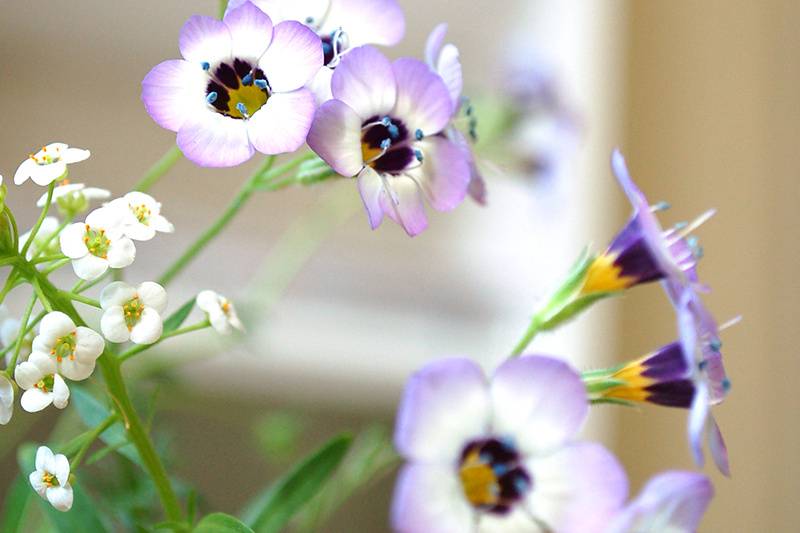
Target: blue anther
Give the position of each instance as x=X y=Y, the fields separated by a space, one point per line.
x=248 y=79
x=206 y=65
x=485 y=457
x=385 y=144
x=521 y=484
x=309 y=20
x=692 y=241
x=715 y=345
x=680 y=225
x=261 y=84
x=242 y=109
x=508 y=443
x=726 y=384
x=386 y=121
x=418 y=134
x=418 y=155
x=327 y=48
x=469 y=110
x=499 y=469
x=698 y=252
x=703 y=365
x=211 y=97
x=394 y=131
x=662 y=206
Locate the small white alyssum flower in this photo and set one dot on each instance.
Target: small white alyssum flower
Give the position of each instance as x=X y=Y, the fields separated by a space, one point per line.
x=74 y=198
x=38 y=376
x=6 y=399
x=133 y=313
x=42 y=243
x=97 y=244
x=49 y=164
x=74 y=348
x=51 y=479
x=142 y=216
x=220 y=311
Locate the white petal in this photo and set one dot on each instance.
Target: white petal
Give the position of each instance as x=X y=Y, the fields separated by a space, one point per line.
x=44 y=175
x=116 y=293
x=106 y=218
x=60 y=497
x=219 y=321
x=34 y=400
x=61 y=469
x=35 y=479
x=74 y=155
x=153 y=295
x=113 y=325
x=6 y=399
x=45 y=461
x=24 y=171
x=121 y=253
x=56 y=324
x=159 y=223
x=88 y=345
x=71 y=241
x=75 y=370
x=89 y=267
x=148 y=329
x=208 y=300
x=139 y=232
x=428 y=498
x=60 y=392
x=27 y=375
x=95 y=193
x=518 y=520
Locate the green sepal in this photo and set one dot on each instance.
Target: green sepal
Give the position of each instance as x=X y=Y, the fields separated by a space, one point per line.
x=221 y=523
x=594 y=387
x=573 y=309
x=176 y=319
x=313 y=171
x=613 y=401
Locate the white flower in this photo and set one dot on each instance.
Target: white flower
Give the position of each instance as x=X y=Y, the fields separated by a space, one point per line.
x=48 y=164
x=6 y=399
x=75 y=349
x=97 y=244
x=46 y=230
x=9 y=329
x=142 y=216
x=133 y=313
x=51 y=478
x=220 y=311
x=73 y=198
x=43 y=386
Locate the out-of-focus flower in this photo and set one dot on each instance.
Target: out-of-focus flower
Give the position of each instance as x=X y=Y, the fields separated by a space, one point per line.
x=341 y=26
x=133 y=313
x=43 y=386
x=44 y=242
x=670 y=502
x=642 y=251
x=74 y=198
x=498 y=454
x=9 y=329
x=221 y=312
x=51 y=479
x=97 y=244
x=142 y=217
x=444 y=60
x=6 y=399
x=383 y=126
x=49 y=164
x=74 y=348
x=238 y=89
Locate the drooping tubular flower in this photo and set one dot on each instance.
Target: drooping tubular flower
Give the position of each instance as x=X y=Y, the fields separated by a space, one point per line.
x=383 y=126
x=341 y=25
x=49 y=164
x=672 y=501
x=444 y=60
x=97 y=244
x=499 y=455
x=643 y=251
x=238 y=88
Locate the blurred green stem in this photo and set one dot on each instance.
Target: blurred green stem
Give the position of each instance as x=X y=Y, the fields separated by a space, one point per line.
x=90 y=438
x=39 y=222
x=124 y=356
x=159 y=168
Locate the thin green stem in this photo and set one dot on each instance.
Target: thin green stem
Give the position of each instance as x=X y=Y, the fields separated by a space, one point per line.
x=533 y=329
x=40 y=294
x=39 y=222
x=47 y=259
x=223 y=5
x=142 y=347
x=22 y=326
x=81 y=298
x=32 y=324
x=90 y=438
x=55 y=266
x=82 y=286
x=14 y=227
x=244 y=194
x=159 y=168
x=50 y=238
x=9 y=260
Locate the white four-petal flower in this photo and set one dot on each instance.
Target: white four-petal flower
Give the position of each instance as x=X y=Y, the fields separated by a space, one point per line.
x=75 y=349
x=49 y=164
x=133 y=313
x=220 y=311
x=6 y=399
x=38 y=376
x=43 y=242
x=74 y=198
x=142 y=216
x=51 y=478
x=97 y=244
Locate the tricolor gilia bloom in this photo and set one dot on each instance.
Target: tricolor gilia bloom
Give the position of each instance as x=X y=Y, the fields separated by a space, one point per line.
x=383 y=126
x=74 y=198
x=44 y=243
x=221 y=313
x=74 y=348
x=51 y=479
x=38 y=376
x=444 y=60
x=49 y=164
x=97 y=244
x=341 y=25
x=671 y=502
x=499 y=455
x=642 y=251
x=142 y=216
x=133 y=313
x=6 y=399
x=239 y=87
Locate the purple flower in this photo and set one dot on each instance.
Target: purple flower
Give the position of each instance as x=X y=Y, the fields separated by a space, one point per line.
x=671 y=501
x=238 y=88
x=444 y=60
x=643 y=251
x=341 y=26
x=499 y=454
x=383 y=126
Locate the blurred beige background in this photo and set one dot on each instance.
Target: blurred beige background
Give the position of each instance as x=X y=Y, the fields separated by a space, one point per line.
x=701 y=96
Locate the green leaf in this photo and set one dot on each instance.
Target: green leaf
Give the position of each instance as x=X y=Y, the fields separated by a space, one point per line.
x=16 y=504
x=595 y=387
x=93 y=413
x=273 y=509
x=221 y=523
x=82 y=517
x=178 y=317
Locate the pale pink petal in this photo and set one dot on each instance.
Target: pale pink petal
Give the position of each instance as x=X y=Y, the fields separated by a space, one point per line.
x=210 y=139
x=251 y=30
x=205 y=39
x=335 y=136
x=423 y=101
x=173 y=91
x=293 y=57
x=368 y=21
x=428 y=498
x=444 y=174
x=282 y=124
x=370 y=186
x=364 y=80
x=409 y=209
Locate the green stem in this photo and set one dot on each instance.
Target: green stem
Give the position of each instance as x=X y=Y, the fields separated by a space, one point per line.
x=527 y=338
x=30 y=327
x=48 y=306
x=161 y=167
x=22 y=326
x=82 y=286
x=39 y=222
x=14 y=227
x=50 y=238
x=46 y=259
x=223 y=5
x=142 y=347
x=81 y=298
x=9 y=260
x=90 y=438
x=244 y=194
x=55 y=266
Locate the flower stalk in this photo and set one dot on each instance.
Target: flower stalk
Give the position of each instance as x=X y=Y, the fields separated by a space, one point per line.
x=124 y=356
x=159 y=169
